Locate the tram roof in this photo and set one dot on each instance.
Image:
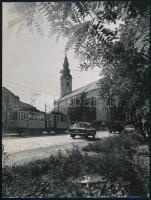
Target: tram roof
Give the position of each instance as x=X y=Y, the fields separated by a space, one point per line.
x=57 y=113
x=27 y=109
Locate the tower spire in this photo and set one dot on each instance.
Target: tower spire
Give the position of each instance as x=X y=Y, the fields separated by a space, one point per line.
x=66 y=70
x=66 y=78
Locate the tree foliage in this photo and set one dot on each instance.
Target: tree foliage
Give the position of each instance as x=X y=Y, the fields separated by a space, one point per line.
x=121 y=53
x=83 y=23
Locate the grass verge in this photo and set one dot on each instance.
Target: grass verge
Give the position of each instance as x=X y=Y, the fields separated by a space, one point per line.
x=117 y=161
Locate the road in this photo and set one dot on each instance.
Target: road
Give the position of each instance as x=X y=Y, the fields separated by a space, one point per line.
x=21 y=150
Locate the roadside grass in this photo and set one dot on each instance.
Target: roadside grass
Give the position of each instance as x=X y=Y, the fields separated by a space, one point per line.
x=116 y=160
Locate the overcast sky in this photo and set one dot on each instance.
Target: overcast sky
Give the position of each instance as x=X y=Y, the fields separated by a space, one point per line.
x=31 y=65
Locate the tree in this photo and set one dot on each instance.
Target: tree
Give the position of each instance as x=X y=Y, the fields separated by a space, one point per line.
x=81 y=109
x=76 y=108
x=127 y=72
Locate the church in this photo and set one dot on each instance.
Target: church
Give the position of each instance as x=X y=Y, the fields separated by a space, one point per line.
x=83 y=104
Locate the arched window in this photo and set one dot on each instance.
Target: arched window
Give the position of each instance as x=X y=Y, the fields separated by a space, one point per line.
x=67 y=83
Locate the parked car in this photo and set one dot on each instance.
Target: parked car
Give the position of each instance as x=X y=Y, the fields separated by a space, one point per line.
x=82 y=129
x=116 y=126
x=129 y=129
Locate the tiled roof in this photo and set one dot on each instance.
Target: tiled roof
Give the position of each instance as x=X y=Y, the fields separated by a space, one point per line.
x=86 y=88
x=5 y=90
x=20 y=103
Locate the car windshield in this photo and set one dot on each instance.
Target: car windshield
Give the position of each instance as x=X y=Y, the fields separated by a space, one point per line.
x=82 y=125
x=129 y=126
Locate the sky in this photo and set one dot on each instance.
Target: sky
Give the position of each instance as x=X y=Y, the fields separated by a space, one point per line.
x=31 y=65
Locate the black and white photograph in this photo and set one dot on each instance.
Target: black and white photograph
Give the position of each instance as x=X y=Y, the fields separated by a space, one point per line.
x=76 y=99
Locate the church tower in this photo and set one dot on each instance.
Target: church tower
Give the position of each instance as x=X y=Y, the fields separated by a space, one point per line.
x=66 y=78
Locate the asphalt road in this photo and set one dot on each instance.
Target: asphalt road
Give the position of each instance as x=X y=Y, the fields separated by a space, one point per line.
x=21 y=150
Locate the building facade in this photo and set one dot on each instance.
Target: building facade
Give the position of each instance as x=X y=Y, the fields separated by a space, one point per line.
x=10 y=101
x=84 y=102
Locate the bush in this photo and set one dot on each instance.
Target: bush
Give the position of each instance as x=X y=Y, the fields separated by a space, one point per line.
x=119 y=158
x=4 y=156
x=122 y=142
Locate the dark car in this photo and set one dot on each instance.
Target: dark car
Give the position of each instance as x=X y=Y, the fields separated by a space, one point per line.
x=82 y=129
x=116 y=126
x=129 y=129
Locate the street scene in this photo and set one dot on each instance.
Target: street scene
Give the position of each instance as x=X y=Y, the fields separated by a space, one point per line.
x=76 y=99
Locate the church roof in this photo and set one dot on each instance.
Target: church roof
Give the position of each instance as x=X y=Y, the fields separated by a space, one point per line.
x=86 y=88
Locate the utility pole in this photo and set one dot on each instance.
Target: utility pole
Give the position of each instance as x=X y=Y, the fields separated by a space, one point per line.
x=45 y=116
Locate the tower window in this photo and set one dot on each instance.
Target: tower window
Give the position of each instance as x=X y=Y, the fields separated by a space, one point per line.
x=67 y=83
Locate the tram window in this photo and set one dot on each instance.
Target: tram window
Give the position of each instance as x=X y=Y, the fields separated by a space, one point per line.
x=15 y=115
x=41 y=117
x=22 y=115
x=30 y=116
x=25 y=115
x=62 y=119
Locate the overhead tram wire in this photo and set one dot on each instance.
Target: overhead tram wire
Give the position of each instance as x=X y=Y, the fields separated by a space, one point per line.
x=14 y=88
x=27 y=94
x=84 y=70
x=20 y=85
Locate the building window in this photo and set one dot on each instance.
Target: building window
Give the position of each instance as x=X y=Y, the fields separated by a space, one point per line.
x=18 y=115
x=67 y=83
